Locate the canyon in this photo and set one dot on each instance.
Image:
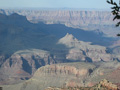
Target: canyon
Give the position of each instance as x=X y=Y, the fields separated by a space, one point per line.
x=39 y=49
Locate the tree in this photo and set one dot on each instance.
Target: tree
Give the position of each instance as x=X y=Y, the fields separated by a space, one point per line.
x=115 y=11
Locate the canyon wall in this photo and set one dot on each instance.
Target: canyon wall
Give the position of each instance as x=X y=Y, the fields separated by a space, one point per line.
x=87 y=20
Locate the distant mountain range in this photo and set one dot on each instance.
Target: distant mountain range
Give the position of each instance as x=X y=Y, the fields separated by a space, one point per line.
x=82 y=19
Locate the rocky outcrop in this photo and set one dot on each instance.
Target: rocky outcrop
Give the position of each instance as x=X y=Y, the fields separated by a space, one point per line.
x=110 y=86
x=103 y=85
x=84 y=51
x=24 y=63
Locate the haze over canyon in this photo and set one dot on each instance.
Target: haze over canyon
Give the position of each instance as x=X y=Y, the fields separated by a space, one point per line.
x=43 y=48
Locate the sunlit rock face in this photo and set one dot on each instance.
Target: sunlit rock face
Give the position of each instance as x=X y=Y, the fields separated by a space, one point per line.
x=61 y=70
x=80 y=50
x=63 y=74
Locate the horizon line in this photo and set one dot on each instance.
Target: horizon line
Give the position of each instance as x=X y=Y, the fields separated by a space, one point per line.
x=47 y=8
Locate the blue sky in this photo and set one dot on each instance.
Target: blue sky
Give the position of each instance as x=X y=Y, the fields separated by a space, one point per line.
x=96 y=4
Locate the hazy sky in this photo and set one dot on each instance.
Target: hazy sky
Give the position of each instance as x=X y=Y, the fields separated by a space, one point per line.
x=97 y=4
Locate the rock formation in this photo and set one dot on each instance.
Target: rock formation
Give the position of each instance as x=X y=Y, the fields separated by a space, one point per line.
x=62 y=70
x=80 y=50
x=72 y=75
x=105 y=83
x=22 y=64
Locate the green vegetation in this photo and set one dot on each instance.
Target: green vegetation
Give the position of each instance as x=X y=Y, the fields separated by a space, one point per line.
x=115 y=10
